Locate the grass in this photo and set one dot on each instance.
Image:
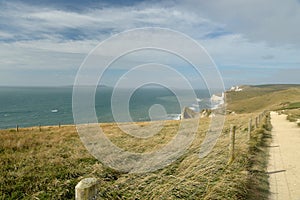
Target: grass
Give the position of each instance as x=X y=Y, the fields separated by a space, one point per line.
x=190 y=177
x=59 y=162
x=41 y=164
x=258 y=184
x=293 y=115
x=292 y=110
x=48 y=164
x=259 y=98
x=293 y=105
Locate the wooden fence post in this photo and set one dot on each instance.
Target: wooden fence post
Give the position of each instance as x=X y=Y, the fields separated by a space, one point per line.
x=40 y=129
x=232 y=144
x=249 y=128
x=86 y=189
x=58 y=124
x=256 y=122
x=17 y=128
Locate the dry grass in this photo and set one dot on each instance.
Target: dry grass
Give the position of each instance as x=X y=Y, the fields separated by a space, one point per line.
x=140 y=145
x=257 y=99
x=50 y=163
x=292 y=110
x=43 y=164
x=191 y=177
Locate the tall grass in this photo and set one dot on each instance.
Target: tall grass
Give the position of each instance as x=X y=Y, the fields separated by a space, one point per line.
x=44 y=165
x=48 y=165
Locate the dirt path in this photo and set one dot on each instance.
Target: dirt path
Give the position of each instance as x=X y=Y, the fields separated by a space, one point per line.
x=284 y=163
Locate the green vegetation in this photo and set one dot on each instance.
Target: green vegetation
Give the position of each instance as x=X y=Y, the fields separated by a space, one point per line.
x=48 y=164
x=293 y=105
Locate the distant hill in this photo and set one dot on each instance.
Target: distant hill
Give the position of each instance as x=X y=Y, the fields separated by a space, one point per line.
x=262 y=97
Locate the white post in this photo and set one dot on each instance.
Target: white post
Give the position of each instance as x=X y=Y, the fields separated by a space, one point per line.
x=86 y=189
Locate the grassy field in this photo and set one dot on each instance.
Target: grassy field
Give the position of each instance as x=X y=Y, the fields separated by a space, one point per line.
x=293 y=115
x=284 y=98
x=292 y=110
x=259 y=98
x=48 y=164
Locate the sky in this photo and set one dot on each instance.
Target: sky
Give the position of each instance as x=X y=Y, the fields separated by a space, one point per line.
x=44 y=43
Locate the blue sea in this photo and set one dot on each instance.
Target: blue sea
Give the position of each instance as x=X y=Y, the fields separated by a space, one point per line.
x=32 y=106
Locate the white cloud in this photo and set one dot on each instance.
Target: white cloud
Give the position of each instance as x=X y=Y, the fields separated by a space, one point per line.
x=5 y=35
x=34 y=21
x=45 y=54
x=235 y=33
x=235 y=50
x=273 y=21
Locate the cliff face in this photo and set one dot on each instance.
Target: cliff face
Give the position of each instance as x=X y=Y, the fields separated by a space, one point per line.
x=188 y=113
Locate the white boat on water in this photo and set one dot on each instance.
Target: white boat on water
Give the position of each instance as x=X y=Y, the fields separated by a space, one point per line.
x=54 y=111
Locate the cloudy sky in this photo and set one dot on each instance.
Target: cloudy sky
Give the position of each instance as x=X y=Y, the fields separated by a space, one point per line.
x=251 y=42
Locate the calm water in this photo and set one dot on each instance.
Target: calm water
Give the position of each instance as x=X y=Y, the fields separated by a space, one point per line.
x=31 y=106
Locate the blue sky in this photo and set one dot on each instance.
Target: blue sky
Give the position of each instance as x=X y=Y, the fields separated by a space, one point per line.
x=44 y=42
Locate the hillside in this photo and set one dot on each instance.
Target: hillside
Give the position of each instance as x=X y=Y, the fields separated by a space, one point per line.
x=262 y=97
x=47 y=164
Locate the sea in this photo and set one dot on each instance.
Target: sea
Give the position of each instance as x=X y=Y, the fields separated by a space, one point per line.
x=33 y=106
